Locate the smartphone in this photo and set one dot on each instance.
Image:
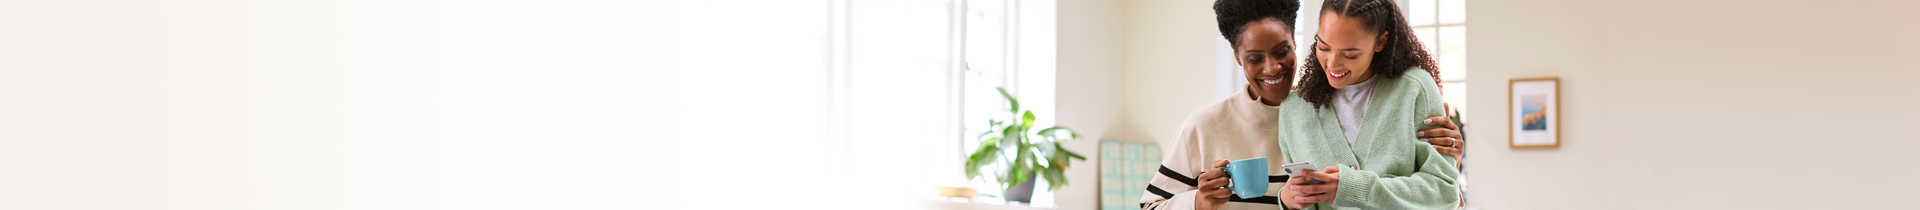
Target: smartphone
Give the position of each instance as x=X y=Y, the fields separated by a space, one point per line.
x=1295 y=169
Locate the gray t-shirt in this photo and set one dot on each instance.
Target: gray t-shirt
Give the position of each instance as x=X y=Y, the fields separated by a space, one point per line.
x=1350 y=104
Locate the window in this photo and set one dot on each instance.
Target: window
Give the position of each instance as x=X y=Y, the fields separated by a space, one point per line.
x=911 y=83
x=1442 y=26
x=1007 y=44
x=890 y=82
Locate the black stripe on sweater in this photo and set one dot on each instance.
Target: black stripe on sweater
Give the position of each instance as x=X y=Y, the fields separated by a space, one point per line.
x=1164 y=171
x=1157 y=191
x=1168 y=195
x=1277 y=179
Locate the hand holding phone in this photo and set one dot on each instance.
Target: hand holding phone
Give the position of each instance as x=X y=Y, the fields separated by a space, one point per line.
x=1295 y=170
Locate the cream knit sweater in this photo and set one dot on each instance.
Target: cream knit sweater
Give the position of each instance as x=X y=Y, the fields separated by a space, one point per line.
x=1238 y=127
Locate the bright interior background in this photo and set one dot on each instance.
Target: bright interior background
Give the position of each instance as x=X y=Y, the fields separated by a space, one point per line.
x=414 y=104
x=411 y=104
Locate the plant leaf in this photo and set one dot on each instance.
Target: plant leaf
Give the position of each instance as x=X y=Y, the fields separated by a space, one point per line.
x=1057 y=157
x=1010 y=137
x=1027 y=154
x=1056 y=178
x=1063 y=150
x=1041 y=173
x=1052 y=133
x=1020 y=169
x=1002 y=178
x=1026 y=121
x=1014 y=103
x=986 y=154
x=1027 y=159
x=1051 y=174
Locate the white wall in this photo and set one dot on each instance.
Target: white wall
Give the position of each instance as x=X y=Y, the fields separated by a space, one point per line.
x=1169 y=54
x=1088 y=85
x=1505 y=45
x=1699 y=104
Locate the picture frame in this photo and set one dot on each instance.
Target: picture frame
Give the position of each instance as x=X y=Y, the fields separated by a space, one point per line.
x=1533 y=108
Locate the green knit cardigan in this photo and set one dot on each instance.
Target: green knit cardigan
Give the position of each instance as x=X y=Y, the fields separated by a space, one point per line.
x=1386 y=167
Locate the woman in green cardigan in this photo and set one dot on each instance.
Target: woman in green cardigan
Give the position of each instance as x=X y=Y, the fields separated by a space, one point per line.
x=1367 y=84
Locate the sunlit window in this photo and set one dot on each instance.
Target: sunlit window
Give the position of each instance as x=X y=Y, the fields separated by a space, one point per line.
x=919 y=83
x=1006 y=44
x=1442 y=26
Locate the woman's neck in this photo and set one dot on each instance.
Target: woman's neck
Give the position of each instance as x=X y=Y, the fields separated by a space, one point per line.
x=1263 y=100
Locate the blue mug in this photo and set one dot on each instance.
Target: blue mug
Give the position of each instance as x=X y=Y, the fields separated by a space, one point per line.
x=1247 y=178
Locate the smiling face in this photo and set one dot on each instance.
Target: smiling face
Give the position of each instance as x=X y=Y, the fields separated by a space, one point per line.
x=1265 y=52
x=1345 y=49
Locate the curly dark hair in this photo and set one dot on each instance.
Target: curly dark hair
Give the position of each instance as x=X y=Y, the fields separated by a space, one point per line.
x=1233 y=15
x=1403 y=49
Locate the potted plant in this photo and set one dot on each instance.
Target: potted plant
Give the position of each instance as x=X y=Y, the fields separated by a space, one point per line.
x=1022 y=153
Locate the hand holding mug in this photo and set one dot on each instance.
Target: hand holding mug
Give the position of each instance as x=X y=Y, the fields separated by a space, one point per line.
x=1213 y=191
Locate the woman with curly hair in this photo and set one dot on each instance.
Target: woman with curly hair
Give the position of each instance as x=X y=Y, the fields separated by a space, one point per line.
x=1367 y=81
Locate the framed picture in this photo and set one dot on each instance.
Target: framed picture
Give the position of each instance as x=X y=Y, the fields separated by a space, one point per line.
x=1533 y=108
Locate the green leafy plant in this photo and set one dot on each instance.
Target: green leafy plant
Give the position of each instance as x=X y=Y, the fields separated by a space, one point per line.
x=1022 y=152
